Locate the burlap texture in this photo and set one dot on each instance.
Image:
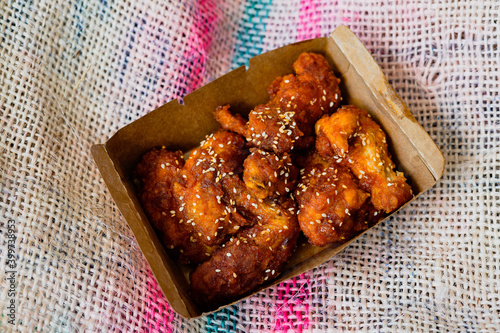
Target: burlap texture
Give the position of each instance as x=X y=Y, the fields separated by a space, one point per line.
x=73 y=72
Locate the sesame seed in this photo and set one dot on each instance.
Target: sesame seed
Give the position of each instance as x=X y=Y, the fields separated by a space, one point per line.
x=217 y=270
x=228 y=254
x=234 y=274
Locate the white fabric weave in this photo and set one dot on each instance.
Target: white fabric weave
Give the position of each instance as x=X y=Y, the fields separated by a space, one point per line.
x=74 y=72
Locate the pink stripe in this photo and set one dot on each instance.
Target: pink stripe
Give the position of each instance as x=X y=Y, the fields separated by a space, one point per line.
x=350 y=16
x=292 y=306
x=189 y=72
x=157 y=312
x=309 y=20
x=198 y=45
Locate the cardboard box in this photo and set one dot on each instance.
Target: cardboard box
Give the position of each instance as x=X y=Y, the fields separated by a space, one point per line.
x=183 y=127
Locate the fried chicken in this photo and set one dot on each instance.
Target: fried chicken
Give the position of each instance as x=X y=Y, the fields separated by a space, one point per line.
x=198 y=190
x=155 y=173
x=329 y=199
x=354 y=140
x=268 y=175
x=255 y=255
x=296 y=103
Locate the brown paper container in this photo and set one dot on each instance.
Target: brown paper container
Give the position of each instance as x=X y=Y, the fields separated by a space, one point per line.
x=183 y=127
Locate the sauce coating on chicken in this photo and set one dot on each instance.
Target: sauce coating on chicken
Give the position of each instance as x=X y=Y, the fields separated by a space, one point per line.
x=296 y=103
x=356 y=141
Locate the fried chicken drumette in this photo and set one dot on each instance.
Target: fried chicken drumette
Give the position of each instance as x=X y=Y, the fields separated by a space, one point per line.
x=268 y=175
x=329 y=200
x=354 y=140
x=198 y=188
x=296 y=103
x=155 y=173
x=253 y=256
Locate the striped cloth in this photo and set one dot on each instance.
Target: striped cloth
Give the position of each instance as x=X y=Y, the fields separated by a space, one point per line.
x=74 y=72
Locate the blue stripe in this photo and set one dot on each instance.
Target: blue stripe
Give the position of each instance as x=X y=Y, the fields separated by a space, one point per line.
x=222 y=321
x=251 y=33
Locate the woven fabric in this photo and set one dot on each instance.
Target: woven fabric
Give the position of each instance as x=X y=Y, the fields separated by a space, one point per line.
x=74 y=72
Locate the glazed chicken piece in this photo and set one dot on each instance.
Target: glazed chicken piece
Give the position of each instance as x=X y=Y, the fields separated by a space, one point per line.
x=296 y=103
x=155 y=173
x=354 y=140
x=329 y=201
x=268 y=175
x=255 y=255
x=198 y=190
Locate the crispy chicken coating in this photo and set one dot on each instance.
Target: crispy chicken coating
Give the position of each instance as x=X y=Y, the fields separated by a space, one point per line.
x=296 y=103
x=267 y=175
x=198 y=190
x=354 y=140
x=155 y=173
x=255 y=255
x=329 y=200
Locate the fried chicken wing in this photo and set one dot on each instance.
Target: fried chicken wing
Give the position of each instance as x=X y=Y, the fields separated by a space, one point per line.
x=296 y=103
x=329 y=199
x=255 y=255
x=268 y=175
x=198 y=191
x=155 y=173
x=352 y=138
